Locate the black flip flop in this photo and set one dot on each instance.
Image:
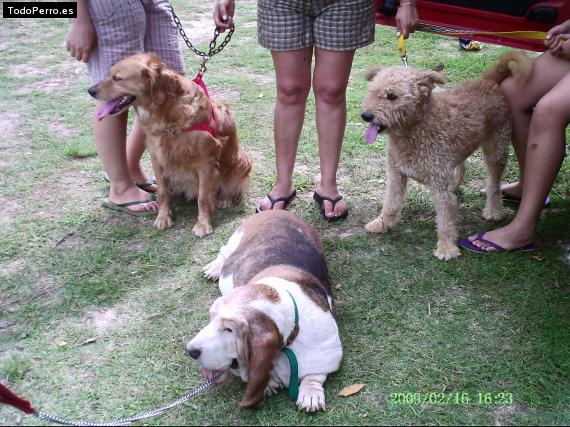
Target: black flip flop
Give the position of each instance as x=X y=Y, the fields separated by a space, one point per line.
x=321 y=199
x=151 y=181
x=287 y=201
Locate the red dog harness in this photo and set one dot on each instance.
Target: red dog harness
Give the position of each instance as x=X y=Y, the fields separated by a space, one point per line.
x=205 y=125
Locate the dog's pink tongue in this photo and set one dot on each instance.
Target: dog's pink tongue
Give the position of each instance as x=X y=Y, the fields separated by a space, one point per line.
x=371 y=133
x=207 y=373
x=106 y=108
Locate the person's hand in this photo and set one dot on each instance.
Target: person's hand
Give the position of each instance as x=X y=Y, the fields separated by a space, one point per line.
x=81 y=39
x=557 y=40
x=224 y=14
x=407 y=17
x=562 y=48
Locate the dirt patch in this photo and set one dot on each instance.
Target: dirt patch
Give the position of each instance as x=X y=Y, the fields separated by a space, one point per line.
x=12 y=267
x=10 y=210
x=75 y=193
x=504 y=414
x=10 y=125
x=59 y=77
x=57 y=128
x=224 y=95
x=103 y=319
x=200 y=28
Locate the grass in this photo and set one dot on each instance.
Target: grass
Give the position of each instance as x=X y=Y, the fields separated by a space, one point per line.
x=95 y=307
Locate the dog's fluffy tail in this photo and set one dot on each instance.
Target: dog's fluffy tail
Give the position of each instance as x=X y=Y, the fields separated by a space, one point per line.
x=516 y=63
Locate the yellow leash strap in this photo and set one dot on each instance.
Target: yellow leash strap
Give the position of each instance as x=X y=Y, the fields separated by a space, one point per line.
x=437 y=29
x=402 y=49
x=534 y=35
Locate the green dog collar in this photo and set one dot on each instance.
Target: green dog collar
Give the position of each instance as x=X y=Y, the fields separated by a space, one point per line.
x=293 y=364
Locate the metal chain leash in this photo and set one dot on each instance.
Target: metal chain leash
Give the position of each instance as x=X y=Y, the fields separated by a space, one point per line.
x=213 y=50
x=129 y=420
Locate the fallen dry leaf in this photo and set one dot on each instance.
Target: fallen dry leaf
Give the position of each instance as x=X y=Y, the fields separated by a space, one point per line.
x=60 y=343
x=537 y=258
x=350 y=390
x=90 y=341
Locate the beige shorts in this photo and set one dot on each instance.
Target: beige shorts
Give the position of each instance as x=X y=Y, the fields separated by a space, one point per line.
x=327 y=24
x=128 y=26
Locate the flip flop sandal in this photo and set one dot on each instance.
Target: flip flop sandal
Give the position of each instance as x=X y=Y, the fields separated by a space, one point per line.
x=321 y=199
x=151 y=181
x=468 y=244
x=123 y=207
x=287 y=201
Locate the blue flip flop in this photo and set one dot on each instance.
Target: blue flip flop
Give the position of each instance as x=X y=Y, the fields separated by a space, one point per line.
x=468 y=244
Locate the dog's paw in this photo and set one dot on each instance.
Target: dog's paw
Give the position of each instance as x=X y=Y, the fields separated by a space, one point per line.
x=492 y=214
x=311 y=398
x=202 y=229
x=447 y=252
x=376 y=226
x=213 y=270
x=163 y=222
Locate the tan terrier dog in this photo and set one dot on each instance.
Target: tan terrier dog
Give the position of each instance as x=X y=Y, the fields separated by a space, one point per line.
x=432 y=134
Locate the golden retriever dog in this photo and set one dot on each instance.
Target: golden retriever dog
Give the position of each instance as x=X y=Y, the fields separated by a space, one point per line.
x=275 y=294
x=191 y=138
x=432 y=134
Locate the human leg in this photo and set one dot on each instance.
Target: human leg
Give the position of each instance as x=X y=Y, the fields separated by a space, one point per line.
x=547 y=71
x=118 y=28
x=330 y=79
x=545 y=151
x=293 y=80
x=160 y=37
x=110 y=137
x=135 y=150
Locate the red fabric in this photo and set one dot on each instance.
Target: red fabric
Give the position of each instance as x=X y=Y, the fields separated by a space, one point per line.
x=205 y=126
x=6 y=396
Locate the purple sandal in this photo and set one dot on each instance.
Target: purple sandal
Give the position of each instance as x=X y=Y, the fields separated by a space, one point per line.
x=468 y=244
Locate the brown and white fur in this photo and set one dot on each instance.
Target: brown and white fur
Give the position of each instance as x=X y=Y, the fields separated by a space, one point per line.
x=270 y=254
x=432 y=134
x=216 y=171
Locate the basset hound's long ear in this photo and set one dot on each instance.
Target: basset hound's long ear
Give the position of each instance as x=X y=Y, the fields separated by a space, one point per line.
x=264 y=344
x=240 y=327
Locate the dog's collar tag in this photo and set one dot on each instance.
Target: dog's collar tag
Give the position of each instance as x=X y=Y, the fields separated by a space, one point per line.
x=293 y=391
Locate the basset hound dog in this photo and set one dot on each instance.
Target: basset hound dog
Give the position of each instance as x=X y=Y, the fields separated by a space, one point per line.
x=275 y=294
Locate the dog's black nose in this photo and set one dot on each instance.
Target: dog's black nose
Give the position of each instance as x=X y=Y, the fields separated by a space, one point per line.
x=367 y=116
x=93 y=91
x=194 y=353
